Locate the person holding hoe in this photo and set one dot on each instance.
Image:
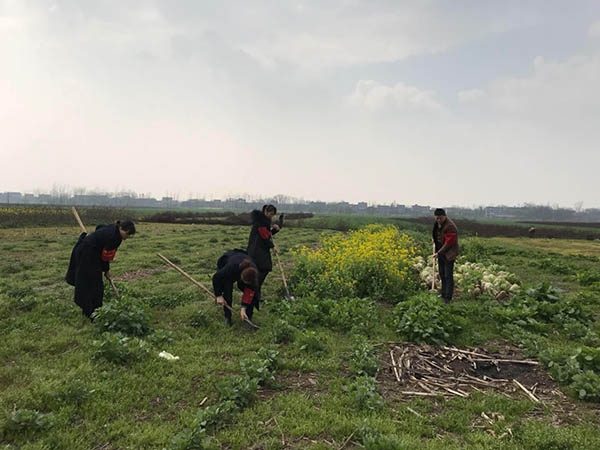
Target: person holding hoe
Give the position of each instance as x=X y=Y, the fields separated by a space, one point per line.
x=260 y=241
x=90 y=258
x=445 y=238
x=235 y=266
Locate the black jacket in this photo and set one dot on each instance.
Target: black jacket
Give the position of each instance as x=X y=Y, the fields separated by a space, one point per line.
x=260 y=241
x=89 y=258
x=229 y=272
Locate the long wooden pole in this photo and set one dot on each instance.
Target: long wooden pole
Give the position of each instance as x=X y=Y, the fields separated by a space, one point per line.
x=433 y=269
x=78 y=219
x=200 y=285
x=287 y=290
x=112 y=284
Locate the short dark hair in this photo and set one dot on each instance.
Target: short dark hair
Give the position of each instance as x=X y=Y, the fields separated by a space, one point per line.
x=127 y=226
x=249 y=273
x=269 y=208
x=439 y=212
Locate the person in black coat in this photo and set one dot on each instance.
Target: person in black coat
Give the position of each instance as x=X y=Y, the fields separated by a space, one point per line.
x=90 y=258
x=260 y=241
x=235 y=266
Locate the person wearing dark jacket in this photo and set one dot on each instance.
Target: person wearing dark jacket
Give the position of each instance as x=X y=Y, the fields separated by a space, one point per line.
x=235 y=266
x=260 y=241
x=90 y=258
x=445 y=237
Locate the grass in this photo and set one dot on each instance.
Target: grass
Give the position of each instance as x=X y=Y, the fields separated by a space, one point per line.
x=47 y=359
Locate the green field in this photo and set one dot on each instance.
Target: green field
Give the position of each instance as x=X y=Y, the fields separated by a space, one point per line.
x=56 y=392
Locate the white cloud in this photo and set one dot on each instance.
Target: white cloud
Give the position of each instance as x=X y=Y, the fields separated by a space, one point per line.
x=470 y=95
x=376 y=96
x=594 y=29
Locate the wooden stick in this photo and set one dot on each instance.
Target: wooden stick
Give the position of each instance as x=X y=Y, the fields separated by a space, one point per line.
x=529 y=394
x=346 y=441
x=200 y=285
x=514 y=361
x=282 y=436
x=285 y=285
x=112 y=285
x=433 y=269
x=394 y=366
x=78 y=219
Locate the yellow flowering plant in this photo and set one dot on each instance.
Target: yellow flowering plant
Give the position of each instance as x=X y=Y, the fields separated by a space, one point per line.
x=374 y=261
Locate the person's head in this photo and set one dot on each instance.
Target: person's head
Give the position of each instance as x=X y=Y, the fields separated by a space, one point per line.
x=440 y=216
x=249 y=273
x=126 y=228
x=269 y=210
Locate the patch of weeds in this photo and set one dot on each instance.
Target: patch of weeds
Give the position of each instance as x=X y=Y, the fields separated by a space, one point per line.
x=123 y=315
x=169 y=300
x=358 y=315
x=199 y=319
x=17 y=289
x=119 y=349
x=74 y=392
x=587 y=386
x=588 y=277
x=425 y=319
x=545 y=292
x=373 y=439
x=363 y=360
x=26 y=420
x=240 y=390
x=283 y=332
x=363 y=394
x=311 y=342
x=262 y=367
x=160 y=337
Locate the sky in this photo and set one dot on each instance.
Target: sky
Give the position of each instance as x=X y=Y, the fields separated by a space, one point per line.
x=441 y=103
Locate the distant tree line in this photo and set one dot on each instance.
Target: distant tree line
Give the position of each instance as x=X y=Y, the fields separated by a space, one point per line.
x=80 y=197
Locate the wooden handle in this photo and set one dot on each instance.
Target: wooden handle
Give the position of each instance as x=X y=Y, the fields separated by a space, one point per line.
x=281 y=269
x=433 y=268
x=78 y=219
x=200 y=285
x=114 y=288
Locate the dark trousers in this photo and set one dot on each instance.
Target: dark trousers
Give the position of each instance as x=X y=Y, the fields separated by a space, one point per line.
x=447 y=276
x=228 y=295
x=261 y=279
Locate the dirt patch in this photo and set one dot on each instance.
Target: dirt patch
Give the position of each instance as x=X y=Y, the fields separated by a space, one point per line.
x=426 y=371
x=138 y=274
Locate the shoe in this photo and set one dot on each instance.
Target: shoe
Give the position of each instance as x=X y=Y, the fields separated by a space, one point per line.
x=228 y=321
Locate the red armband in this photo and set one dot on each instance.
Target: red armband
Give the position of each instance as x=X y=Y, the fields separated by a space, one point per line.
x=247 y=296
x=108 y=255
x=450 y=239
x=264 y=232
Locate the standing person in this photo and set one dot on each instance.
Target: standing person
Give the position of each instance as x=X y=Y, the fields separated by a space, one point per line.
x=90 y=258
x=260 y=241
x=445 y=237
x=235 y=266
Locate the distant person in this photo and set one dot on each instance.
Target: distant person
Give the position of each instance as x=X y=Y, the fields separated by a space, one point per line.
x=260 y=241
x=445 y=237
x=235 y=266
x=531 y=231
x=91 y=257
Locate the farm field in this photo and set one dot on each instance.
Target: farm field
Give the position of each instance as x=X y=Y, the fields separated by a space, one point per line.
x=317 y=373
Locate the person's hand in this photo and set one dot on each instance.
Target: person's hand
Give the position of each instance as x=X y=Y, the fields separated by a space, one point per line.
x=243 y=314
x=107 y=274
x=221 y=300
x=276 y=227
x=275 y=251
x=435 y=255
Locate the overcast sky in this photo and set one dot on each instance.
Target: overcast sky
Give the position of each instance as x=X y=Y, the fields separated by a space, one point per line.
x=431 y=102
